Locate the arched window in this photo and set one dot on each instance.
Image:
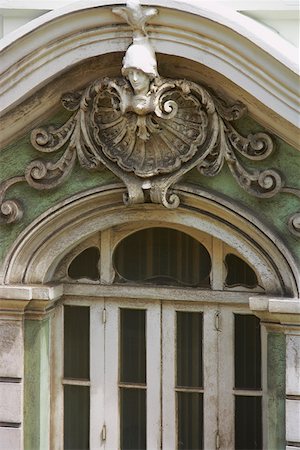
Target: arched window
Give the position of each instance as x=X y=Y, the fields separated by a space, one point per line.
x=162 y=256
x=168 y=347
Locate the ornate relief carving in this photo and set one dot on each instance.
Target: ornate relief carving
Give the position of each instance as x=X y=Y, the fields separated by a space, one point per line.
x=294 y=224
x=149 y=131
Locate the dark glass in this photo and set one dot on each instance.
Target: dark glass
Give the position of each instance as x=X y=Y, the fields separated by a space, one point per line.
x=239 y=273
x=76 y=342
x=247 y=352
x=133 y=346
x=133 y=419
x=85 y=265
x=248 y=423
x=190 y=420
x=162 y=256
x=76 y=417
x=189 y=349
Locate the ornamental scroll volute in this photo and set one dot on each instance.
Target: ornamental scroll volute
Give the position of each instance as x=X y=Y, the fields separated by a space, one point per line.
x=148 y=130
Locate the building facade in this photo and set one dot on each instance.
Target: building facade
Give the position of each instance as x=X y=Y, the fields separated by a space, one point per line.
x=150 y=209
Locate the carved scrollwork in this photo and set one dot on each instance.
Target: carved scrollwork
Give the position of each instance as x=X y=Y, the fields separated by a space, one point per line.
x=294 y=224
x=149 y=131
x=10 y=210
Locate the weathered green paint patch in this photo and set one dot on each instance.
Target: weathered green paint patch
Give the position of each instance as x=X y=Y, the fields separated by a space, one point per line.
x=36 y=385
x=274 y=212
x=276 y=391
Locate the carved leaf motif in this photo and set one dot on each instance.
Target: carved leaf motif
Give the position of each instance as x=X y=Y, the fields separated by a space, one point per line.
x=149 y=141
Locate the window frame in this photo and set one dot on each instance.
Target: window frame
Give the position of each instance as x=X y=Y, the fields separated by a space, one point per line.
x=96 y=295
x=214 y=342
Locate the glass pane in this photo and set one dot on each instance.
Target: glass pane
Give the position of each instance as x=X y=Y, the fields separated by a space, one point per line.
x=163 y=256
x=190 y=420
x=189 y=349
x=239 y=273
x=247 y=354
x=133 y=419
x=248 y=423
x=76 y=417
x=133 y=346
x=85 y=265
x=76 y=341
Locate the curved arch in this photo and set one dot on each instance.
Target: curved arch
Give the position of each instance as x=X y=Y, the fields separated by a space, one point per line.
x=48 y=239
x=254 y=58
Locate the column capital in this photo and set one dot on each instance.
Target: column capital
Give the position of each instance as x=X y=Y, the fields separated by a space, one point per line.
x=31 y=301
x=278 y=313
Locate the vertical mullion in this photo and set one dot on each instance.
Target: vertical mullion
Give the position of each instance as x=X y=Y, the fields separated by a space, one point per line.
x=217 y=268
x=210 y=378
x=111 y=377
x=96 y=374
x=264 y=383
x=226 y=378
x=153 y=371
x=105 y=265
x=169 y=421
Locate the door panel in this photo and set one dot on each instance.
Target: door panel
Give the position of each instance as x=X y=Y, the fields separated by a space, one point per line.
x=163 y=375
x=126 y=394
x=193 y=399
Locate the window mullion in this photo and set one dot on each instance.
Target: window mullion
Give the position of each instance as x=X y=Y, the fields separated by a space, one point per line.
x=153 y=367
x=210 y=364
x=169 y=431
x=217 y=268
x=111 y=376
x=226 y=377
x=97 y=419
x=106 y=270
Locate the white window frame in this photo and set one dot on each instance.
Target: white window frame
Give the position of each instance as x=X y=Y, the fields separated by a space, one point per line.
x=218 y=339
x=104 y=328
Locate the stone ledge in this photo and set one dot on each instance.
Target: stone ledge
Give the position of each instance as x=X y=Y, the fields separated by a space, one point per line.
x=33 y=301
x=19 y=292
x=281 y=310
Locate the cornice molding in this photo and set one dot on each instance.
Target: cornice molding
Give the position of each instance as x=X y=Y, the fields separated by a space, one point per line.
x=33 y=302
x=278 y=310
x=249 y=54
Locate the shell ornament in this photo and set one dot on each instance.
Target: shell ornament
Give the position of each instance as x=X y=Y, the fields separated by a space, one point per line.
x=149 y=131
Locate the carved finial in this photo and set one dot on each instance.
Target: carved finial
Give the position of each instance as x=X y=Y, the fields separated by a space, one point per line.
x=140 y=55
x=136 y=16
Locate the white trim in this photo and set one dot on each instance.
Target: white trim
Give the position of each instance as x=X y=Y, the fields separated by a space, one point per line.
x=31 y=292
x=238 y=5
x=226 y=404
x=210 y=376
x=111 y=377
x=169 y=436
x=216 y=37
x=97 y=389
x=275 y=305
x=153 y=369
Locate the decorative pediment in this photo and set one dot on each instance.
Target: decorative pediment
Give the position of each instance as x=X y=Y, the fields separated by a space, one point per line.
x=149 y=131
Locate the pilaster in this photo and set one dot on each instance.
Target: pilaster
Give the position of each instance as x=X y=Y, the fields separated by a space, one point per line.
x=25 y=313
x=281 y=318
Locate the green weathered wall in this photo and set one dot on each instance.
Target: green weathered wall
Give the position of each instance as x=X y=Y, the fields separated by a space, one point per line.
x=276 y=391
x=273 y=211
x=36 y=384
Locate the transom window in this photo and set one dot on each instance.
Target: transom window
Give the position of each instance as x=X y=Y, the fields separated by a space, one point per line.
x=180 y=371
x=159 y=256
